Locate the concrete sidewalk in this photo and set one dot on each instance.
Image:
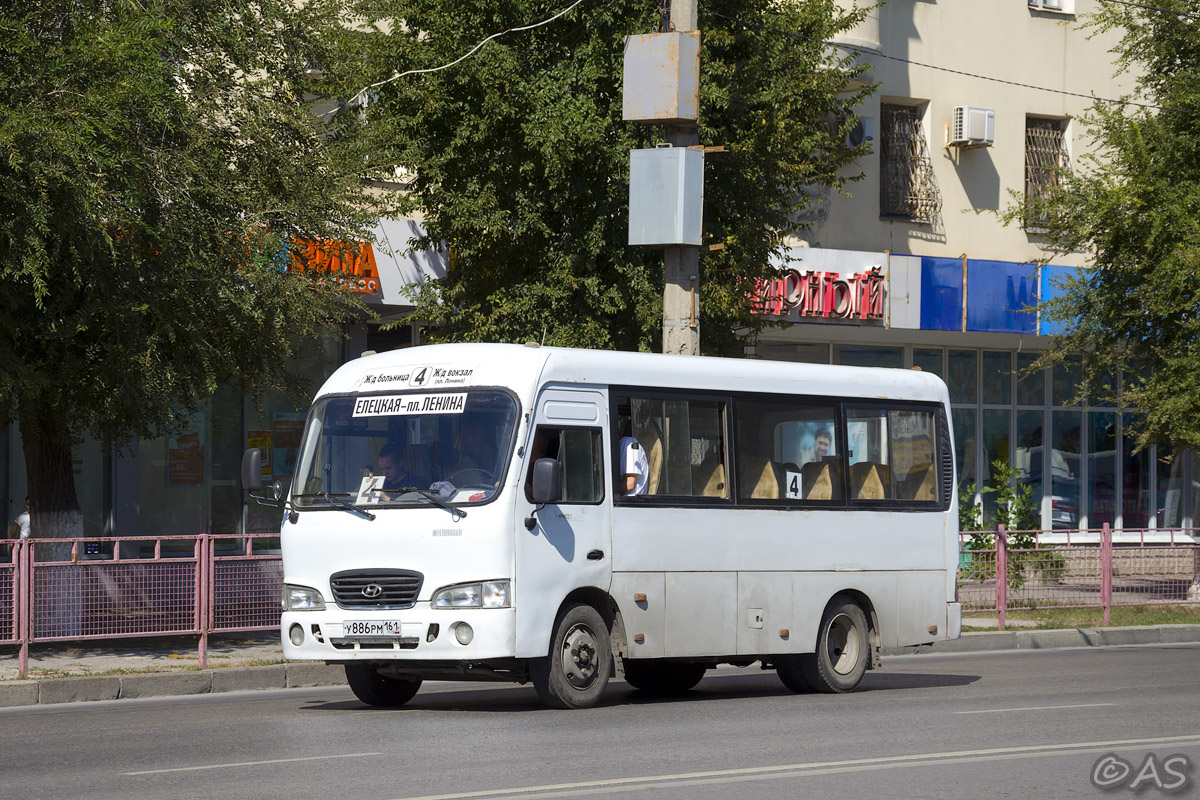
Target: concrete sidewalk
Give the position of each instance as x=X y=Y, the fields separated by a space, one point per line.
x=165 y=667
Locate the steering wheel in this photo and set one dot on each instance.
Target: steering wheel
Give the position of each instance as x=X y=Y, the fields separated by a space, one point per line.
x=473 y=478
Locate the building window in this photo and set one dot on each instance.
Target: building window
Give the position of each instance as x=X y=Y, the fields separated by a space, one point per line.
x=1045 y=156
x=907 y=189
x=1056 y=6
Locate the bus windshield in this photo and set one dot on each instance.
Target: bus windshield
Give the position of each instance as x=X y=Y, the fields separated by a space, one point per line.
x=405 y=449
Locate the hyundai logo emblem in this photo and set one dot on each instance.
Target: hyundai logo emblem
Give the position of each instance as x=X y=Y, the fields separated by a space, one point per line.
x=372 y=590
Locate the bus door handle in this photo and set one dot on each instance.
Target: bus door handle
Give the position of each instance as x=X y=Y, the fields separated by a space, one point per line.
x=595 y=555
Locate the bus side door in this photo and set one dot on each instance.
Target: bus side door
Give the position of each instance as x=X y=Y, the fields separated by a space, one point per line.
x=570 y=544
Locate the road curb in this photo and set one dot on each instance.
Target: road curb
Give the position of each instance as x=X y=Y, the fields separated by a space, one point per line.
x=1056 y=639
x=301 y=674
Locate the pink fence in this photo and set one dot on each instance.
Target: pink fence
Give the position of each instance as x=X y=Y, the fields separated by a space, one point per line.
x=55 y=590
x=1077 y=569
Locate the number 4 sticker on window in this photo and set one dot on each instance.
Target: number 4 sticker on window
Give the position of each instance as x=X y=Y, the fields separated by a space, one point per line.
x=794 y=486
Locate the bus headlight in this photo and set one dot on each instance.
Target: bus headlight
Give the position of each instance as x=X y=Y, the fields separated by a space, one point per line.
x=302 y=598
x=485 y=594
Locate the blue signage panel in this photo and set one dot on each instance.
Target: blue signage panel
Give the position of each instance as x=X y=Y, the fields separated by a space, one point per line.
x=941 y=294
x=1052 y=278
x=1002 y=297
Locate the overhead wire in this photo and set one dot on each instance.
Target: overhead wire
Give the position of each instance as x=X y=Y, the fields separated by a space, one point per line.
x=397 y=76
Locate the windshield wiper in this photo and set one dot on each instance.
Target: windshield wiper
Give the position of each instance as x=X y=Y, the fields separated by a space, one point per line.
x=336 y=501
x=432 y=497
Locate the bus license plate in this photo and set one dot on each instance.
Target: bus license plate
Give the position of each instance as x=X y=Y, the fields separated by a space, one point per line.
x=371 y=627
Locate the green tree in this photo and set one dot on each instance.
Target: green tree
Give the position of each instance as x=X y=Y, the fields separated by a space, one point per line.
x=157 y=159
x=1133 y=207
x=518 y=157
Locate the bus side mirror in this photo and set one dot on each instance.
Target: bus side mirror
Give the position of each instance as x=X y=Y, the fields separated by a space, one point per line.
x=252 y=470
x=547 y=481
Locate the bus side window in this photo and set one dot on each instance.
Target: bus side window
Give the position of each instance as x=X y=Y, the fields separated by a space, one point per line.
x=582 y=457
x=788 y=451
x=684 y=443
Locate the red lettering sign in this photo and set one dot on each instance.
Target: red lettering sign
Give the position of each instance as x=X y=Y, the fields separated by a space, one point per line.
x=804 y=294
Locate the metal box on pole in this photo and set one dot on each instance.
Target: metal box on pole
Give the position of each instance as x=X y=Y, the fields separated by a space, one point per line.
x=662 y=78
x=666 y=196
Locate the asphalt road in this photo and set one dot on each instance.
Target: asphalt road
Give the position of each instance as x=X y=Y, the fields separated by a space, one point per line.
x=987 y=725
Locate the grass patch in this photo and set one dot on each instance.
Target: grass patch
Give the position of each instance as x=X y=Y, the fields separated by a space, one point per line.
x=1120 y=616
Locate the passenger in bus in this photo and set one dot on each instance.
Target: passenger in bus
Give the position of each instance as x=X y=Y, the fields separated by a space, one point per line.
x=821 y=444
x=635 y=469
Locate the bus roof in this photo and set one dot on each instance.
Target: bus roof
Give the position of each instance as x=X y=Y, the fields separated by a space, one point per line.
x=524 y=367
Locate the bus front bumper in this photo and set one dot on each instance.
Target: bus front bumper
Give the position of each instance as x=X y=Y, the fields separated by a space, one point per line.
x=421 y=634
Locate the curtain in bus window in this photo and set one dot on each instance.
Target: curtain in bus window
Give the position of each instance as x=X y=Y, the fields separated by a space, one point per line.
x=867 y=453
x=913 y=446
x=788 y=452
x=684 y=441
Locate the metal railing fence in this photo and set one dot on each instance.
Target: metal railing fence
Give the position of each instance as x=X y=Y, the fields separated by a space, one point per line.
x=54 y=590
x=1077 y=569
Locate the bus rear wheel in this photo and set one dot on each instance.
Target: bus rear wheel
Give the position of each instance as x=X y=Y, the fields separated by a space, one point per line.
x=843 y=649
x=663 y=677
x=376 y=690
x=576 y=671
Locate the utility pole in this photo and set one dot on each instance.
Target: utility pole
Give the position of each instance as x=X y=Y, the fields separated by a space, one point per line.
x=681 y=263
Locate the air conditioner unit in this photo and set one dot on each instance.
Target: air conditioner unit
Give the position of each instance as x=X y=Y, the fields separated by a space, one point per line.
x=863 y=132
x=972 y=127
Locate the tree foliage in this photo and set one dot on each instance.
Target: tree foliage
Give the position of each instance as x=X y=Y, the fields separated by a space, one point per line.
x=1133 y=207
x=157 y=159
x=518 y=157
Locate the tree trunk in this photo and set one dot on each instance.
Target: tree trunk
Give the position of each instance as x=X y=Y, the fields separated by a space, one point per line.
x=53 y=505
x=53 y=513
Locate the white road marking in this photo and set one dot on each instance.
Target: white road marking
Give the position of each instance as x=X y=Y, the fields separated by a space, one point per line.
x=1034 y=708
x=612 y=785
x=249 y=763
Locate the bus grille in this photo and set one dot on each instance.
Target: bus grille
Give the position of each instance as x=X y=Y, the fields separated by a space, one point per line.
x=376 y=588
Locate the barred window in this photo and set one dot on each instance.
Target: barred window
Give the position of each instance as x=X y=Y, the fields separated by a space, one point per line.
x=1045 y=155
x=907 y=189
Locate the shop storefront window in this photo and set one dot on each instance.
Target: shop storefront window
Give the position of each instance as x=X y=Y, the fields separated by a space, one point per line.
x=1102 y=472
x=1031 y=386
x=1065 y=467
x=929 y=360
x=964 y=444
x=803 y=352
x=995 y=448
x=1169 y=494
x=997 y=378
x=1065 y=381
x=1027 y=457
x=963 y=371
x=860 y=355
x=173 y=479
x=1135 y=483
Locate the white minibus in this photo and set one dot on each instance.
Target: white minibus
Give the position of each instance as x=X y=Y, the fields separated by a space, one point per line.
x=566 y=517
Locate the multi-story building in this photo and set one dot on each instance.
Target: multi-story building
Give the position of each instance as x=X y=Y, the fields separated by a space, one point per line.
x=978 y=102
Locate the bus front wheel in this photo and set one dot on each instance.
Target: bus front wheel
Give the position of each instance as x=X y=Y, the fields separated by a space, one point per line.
x=576 y=671
x=843 y=649
x=376 y=690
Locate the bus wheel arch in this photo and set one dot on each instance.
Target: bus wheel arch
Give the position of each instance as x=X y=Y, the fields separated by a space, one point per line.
x=844 y=647
x=579 y=663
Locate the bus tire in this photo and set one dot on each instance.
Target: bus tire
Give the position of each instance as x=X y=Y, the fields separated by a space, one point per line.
x=843 y=648
x=576 y=671
x=663 y=677
x=791 y=673
x=376 y=690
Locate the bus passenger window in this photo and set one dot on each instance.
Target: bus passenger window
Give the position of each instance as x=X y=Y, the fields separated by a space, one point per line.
x=788 y=451
x=913 y=447
x=891 y=454
x=684 y=445
x=581 y=454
